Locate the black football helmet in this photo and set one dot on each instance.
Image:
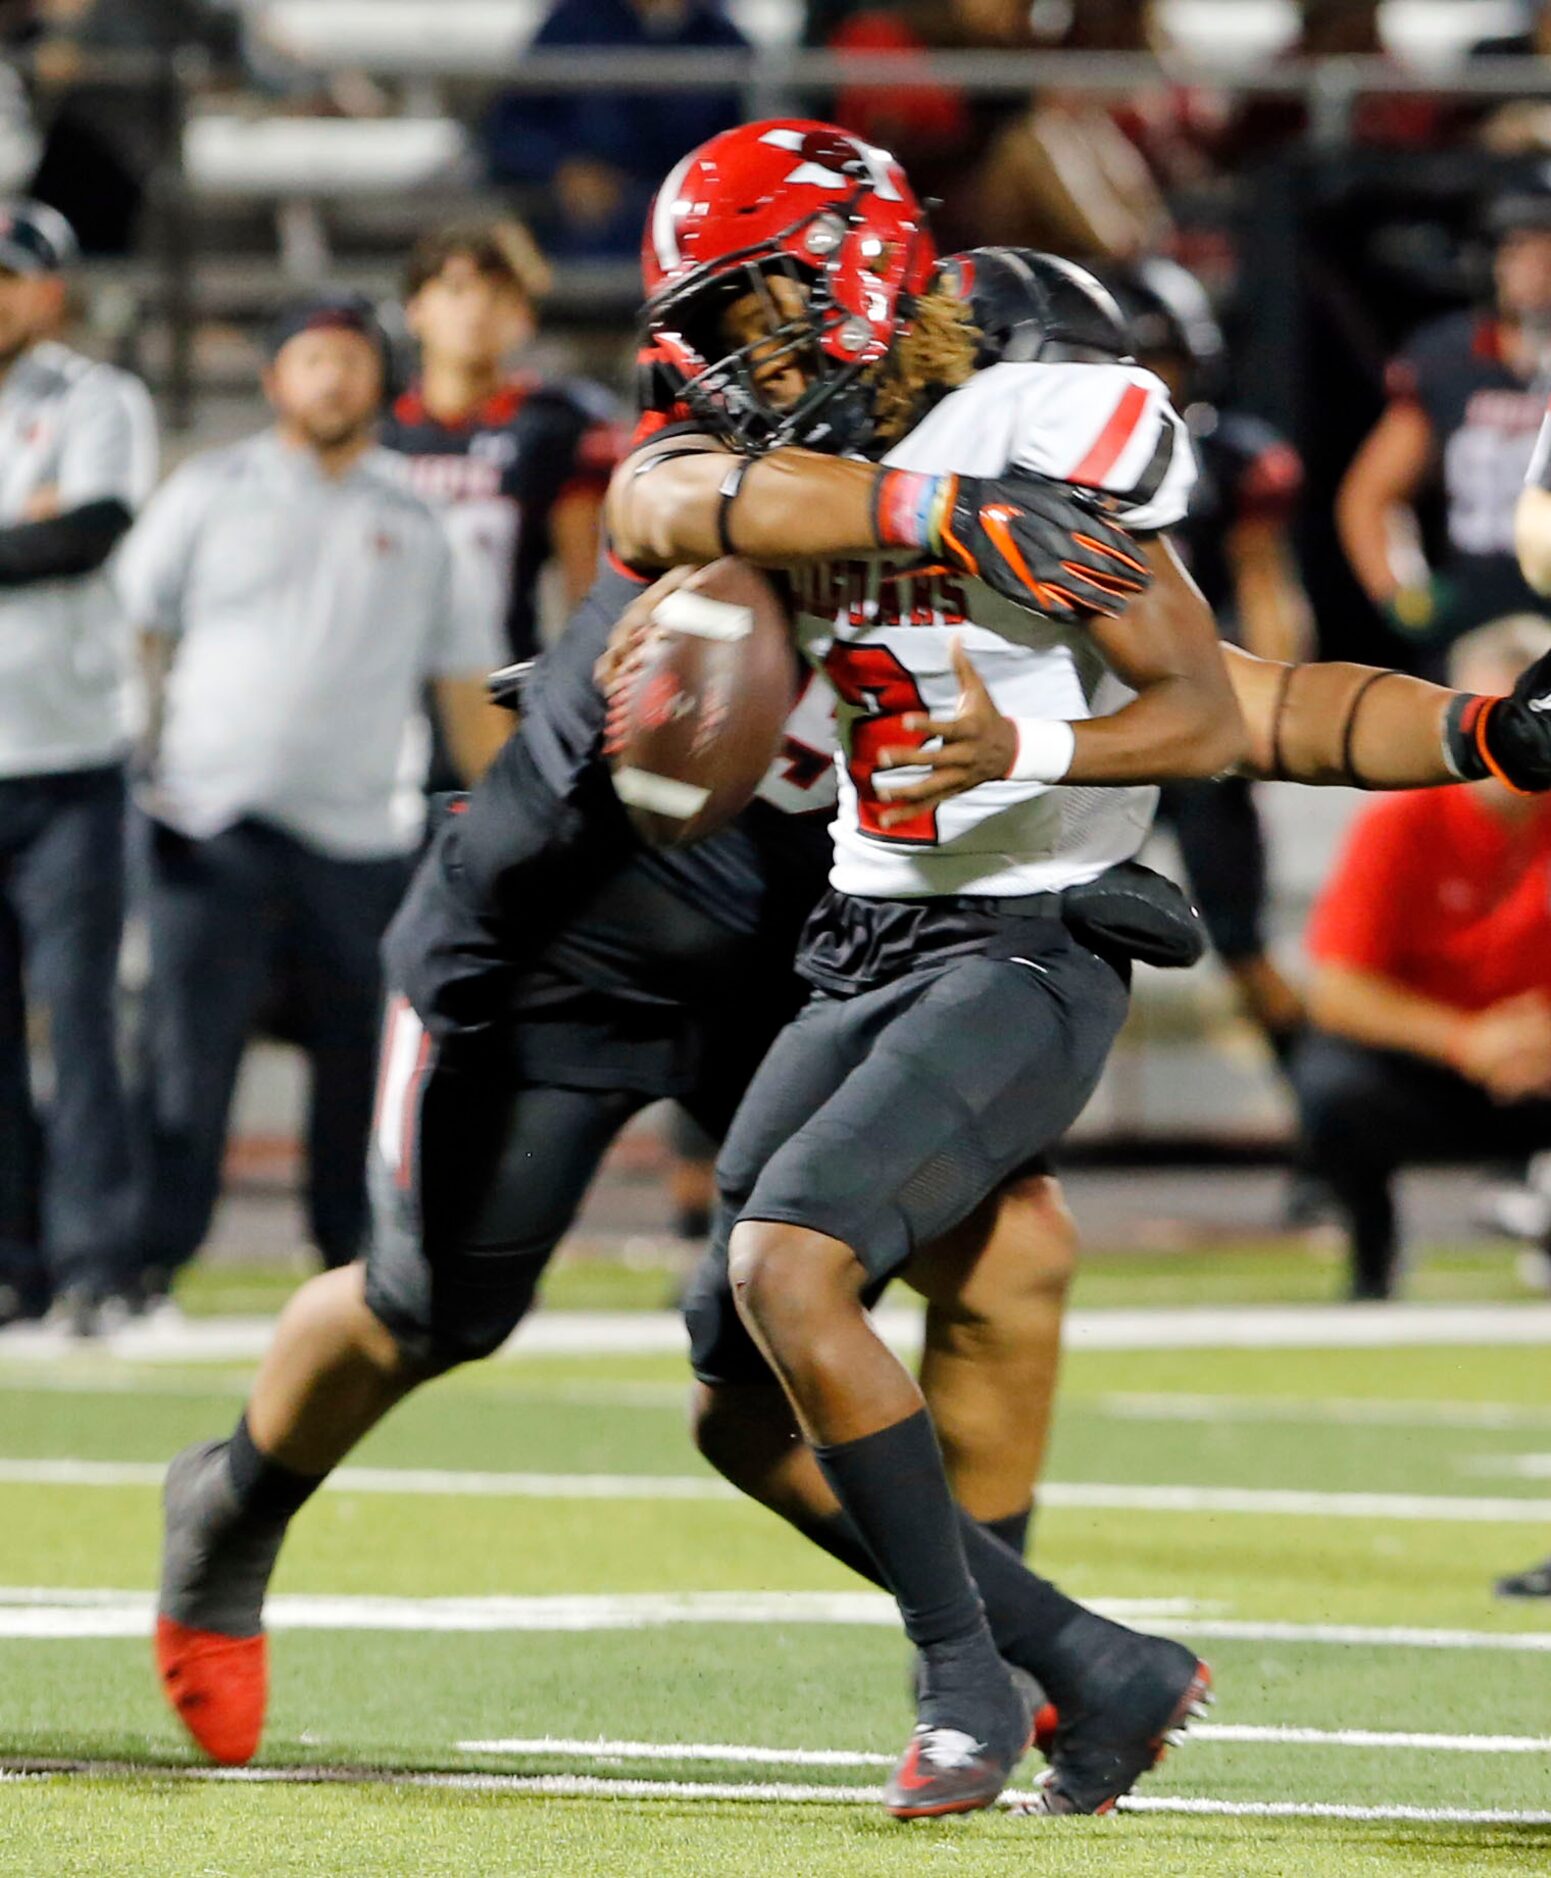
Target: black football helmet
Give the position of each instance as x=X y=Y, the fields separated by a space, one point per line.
x=1166 y=310
x=1030 y=306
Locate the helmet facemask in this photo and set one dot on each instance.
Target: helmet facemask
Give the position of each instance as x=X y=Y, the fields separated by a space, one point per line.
x=724 y=383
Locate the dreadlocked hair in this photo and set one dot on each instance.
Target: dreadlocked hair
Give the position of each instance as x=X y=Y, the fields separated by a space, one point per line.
x=934 y=355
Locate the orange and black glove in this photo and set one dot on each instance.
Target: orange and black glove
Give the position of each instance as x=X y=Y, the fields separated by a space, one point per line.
x=1509 y=738
x=1043 y=544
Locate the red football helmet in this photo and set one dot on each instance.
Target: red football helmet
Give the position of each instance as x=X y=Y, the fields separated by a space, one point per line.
x=811 y=201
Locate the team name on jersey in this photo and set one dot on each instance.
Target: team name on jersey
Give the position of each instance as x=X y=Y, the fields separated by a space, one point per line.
x=1505 y=410
x=870 y=593
x=446 y=478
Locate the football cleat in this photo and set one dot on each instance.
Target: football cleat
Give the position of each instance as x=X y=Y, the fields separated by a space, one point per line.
x=1534 y=1583
x=945 y=1770
x=1100 y=1750
x=211 y=1653
x=218 y=1687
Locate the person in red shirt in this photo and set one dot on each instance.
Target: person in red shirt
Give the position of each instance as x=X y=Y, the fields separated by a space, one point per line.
x=1432 y=986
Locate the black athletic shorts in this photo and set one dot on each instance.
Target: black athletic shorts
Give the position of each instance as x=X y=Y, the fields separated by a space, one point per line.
x=483 y=1149
x=946 y=1046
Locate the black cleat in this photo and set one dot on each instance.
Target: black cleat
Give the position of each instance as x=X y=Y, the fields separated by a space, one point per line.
x=1143 y=1701
x=1534 y=1583
x=945 y=1770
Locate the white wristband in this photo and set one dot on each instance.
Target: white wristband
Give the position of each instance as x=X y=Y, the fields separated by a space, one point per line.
x=1046 y=747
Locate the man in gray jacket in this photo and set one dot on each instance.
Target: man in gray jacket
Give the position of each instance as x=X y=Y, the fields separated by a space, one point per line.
x=77 y=457
x=301 y=595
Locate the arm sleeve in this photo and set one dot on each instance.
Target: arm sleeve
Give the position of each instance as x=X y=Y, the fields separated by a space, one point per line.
x=1109 y=428
x=75 y=543
x=1360 y=916
x=151 y=572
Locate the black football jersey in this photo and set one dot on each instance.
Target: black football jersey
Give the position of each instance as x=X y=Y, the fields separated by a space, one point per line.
x=1247 y=471
x=497 y=476
x=536 y=891
x=1484 y=419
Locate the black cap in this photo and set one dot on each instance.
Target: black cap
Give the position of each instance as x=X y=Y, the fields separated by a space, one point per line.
x=331 y=312
x=35 y=239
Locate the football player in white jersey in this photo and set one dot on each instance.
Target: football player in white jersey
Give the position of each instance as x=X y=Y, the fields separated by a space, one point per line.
x=1317 y=723
x=969 y=964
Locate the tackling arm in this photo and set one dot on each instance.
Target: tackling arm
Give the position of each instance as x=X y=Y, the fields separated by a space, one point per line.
x=1372 y=728
x=1036 y=541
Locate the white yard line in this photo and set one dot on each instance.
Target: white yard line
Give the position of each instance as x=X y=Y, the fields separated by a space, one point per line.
x=1342 y=1411
x=1087 y=1496
x=730 y=1755
x=39 y=1612
x=600 y=1333
x=587 y=1786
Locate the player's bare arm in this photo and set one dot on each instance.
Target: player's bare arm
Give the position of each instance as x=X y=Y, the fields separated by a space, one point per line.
x=1376 y=519
x=1532 y=537
x=1369 y=727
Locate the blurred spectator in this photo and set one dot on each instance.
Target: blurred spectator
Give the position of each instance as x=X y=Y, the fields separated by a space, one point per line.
x=1465 y=402
x=77 y=456
x=1176 y=127
x=104 y=139
x=301 y=596
x=1237 y=543
x=1432 y=987
x=519 y=466
x=1058 y=174
x=598 y=156
x=1338 y=29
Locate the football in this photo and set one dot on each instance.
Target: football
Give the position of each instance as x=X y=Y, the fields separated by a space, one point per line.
x=699 y=717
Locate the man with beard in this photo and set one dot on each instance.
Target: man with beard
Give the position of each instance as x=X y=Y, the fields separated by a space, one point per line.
x=298 y=594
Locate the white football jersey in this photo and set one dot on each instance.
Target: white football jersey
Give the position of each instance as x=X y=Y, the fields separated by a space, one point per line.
x=882 y=630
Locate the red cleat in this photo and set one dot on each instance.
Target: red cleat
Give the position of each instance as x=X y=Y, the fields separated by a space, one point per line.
x=1047 y=1720
x=217 y=1686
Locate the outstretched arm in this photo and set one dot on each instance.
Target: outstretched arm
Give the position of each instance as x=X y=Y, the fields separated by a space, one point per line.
x=1371 y=728
x=1361 y=726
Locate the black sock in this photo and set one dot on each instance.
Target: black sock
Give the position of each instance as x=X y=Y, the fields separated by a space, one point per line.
x=263 y=1486
x=1032 y=1623
x=1012 y=1529
x=892 y=1486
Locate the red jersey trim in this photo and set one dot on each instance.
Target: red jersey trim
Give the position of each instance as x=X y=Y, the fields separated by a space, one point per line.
x=1110 y=444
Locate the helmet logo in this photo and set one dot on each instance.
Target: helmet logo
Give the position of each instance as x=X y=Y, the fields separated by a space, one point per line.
x=830 y=161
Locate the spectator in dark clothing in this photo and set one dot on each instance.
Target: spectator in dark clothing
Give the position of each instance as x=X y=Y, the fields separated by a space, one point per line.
x=599 y=155
x=1465 y=402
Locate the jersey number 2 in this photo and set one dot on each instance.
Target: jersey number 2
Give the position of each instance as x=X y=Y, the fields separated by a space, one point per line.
x=877 y=686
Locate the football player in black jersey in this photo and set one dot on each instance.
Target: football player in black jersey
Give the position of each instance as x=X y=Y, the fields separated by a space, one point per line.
x=549 y=1007
x=519 y=464
x=1465 y=403
x=1237 y=543
x=554 y=978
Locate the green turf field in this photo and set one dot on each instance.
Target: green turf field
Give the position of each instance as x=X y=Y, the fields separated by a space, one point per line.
x=527 y=1634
